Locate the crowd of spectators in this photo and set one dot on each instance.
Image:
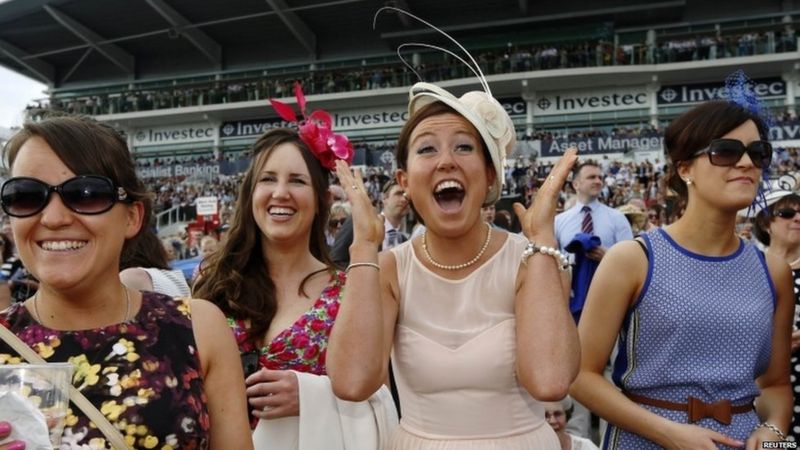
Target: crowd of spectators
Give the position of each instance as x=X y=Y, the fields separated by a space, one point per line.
x=640 y=131
x=432 y=67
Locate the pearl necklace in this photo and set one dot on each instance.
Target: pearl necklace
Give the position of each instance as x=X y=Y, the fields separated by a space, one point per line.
x=456 y=266
x=124 y=319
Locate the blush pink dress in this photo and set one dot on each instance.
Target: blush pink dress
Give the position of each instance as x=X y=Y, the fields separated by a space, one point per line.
x=454 y=359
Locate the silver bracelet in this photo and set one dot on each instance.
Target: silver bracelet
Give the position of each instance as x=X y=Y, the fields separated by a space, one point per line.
x=532 y=248
x=362 y=264
x=772 y=428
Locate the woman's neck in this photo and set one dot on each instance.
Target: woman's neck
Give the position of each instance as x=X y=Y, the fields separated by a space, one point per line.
x=80 y=308
x=706 y=231
x=789 y=253
x=289 y=262
x=453 y=250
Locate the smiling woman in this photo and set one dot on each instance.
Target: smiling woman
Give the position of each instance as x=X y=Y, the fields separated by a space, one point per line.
x=702 y=317
x=76 y=204
x=276 y=284
x=475 y=318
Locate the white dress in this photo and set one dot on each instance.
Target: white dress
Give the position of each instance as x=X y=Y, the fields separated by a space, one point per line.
x=454 y=359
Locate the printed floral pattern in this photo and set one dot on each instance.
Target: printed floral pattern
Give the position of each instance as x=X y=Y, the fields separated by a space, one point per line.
x=143 y=375
x=302 y=346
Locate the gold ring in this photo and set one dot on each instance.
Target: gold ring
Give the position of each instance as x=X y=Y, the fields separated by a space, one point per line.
x=355 y=188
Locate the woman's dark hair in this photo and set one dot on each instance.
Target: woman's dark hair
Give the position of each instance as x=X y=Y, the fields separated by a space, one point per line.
x=430 y=110
x=87 y=147
x=237 y=277
x=767 y=215
x=695 y=129
x=146 y=250
x=8 y=250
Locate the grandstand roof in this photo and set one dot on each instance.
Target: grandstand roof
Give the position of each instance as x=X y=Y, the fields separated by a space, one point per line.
x=76 y=43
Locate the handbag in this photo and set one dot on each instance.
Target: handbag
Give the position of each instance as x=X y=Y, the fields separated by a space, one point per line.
x=112 y=434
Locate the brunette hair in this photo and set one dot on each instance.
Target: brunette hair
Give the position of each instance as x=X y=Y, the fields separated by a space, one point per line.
x=765 y=217
x=237 y=277
x=8 y=247
x=146 y=250
x=695 y=129
x=87 y=147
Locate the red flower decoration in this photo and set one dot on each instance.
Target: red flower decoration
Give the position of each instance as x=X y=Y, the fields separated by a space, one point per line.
x=316 y=131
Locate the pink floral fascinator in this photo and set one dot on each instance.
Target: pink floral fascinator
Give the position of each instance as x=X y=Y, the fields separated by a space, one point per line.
x=316 y=131
x=480 y=108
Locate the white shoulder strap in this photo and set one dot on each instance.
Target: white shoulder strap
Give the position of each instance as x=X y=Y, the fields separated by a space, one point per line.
x=108 y=430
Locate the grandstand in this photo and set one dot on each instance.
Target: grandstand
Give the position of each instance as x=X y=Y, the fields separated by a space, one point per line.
x=187 y=80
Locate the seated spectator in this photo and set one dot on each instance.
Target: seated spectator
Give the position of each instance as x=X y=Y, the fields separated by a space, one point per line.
x=557 y=415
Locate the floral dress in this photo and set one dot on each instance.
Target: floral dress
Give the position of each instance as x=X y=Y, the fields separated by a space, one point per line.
x=303 y=346
x=144 y=375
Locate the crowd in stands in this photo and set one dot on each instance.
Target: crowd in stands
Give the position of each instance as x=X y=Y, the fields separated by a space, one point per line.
x=640 y=131
x=513 y=58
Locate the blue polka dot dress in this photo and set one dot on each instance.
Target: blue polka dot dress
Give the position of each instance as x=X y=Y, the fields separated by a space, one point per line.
x=794 y=430
x=701 y=327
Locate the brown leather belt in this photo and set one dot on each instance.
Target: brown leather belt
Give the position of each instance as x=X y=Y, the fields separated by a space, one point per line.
x=697 y=409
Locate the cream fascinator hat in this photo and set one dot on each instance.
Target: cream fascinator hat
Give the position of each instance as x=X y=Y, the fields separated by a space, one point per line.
x=480 y=108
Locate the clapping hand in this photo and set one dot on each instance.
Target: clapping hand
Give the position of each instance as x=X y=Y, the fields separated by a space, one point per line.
x=538 y=221
x=367 y=224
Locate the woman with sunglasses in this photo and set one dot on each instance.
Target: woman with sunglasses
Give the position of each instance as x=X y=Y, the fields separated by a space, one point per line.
x=163 y=372
x=281 y=293
x=703 y=318
x=778 y=227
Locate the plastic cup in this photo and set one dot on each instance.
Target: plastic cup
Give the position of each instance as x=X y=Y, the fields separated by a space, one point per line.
x=45 y=386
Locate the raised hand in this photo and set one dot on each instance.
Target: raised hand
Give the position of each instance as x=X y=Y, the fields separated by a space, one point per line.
x=273 y=393
x=538 y=221
x=367 y=224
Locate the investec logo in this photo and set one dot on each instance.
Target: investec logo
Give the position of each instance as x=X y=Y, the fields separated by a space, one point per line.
x=170 y=135
x=705 y=92
x=585 y=102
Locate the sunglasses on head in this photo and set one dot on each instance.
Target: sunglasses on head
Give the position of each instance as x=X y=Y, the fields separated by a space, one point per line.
x=335 y=222
x=84 y=194
x=728 y=152
x=786 y=213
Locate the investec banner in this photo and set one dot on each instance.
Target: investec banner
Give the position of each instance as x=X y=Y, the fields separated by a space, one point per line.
x=174 y=134
x=602 y=145
x=360 y=119
x=703 y=92
x=785 y=131
x=583 y=101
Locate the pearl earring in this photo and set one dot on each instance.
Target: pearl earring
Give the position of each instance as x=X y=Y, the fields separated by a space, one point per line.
x=688 y=181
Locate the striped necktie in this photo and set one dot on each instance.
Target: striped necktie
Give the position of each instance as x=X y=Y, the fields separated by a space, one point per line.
x=587 y=226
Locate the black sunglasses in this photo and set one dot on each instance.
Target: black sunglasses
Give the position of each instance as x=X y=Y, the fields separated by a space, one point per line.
x=728 y=152
x=336 y=222
x=84 y=194
x=786 y=213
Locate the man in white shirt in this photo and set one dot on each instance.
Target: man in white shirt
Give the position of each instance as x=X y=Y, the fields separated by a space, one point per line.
x=591 y=217
x=395 y=208
x=607 y=223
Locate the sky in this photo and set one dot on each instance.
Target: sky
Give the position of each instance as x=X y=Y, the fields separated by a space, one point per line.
x=16 y=91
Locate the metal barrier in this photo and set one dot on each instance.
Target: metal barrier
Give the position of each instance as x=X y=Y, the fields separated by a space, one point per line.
x=167 y=217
